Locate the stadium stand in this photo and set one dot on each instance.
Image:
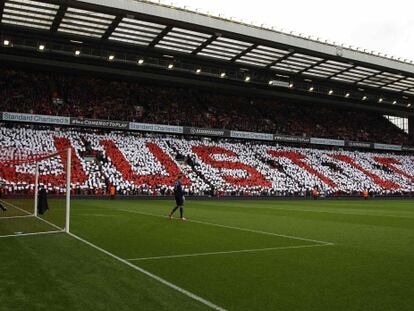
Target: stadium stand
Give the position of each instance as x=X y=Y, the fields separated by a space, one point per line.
x=90 y=97
x=144 y=164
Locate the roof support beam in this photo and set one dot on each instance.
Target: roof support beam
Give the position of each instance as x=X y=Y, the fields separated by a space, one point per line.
x=399 y=80
x=346 y=70
x=1 y=7
x=341 y=72
x=159 y=37
x=312 y=66
x=370 y=76
x=205 y=44
x=112 y=27
x=58 y=18
x=279 y=60
x=249 y=49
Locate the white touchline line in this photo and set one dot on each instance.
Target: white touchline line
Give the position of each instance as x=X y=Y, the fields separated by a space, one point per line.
x=151 y=275
x=29 y=234
x=229 y=252
x=235 y=228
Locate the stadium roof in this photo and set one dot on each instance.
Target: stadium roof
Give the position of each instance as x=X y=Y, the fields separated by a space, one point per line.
x=146 y=25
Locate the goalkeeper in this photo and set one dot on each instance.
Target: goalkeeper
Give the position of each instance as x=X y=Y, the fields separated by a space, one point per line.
x=179 y=197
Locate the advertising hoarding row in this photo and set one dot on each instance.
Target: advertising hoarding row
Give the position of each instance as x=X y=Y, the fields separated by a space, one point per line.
x=172 y=129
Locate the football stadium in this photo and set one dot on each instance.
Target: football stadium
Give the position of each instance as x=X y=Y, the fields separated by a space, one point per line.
x=154 y=157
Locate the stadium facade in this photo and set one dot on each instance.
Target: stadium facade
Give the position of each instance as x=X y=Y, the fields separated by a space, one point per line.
x=89 y=33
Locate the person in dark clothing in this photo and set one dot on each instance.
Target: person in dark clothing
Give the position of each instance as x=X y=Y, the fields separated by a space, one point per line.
x=42 y=205
x=179 y=197
x=2 y=207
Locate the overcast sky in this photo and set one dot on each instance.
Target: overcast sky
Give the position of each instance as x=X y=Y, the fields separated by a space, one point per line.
x=383 y=26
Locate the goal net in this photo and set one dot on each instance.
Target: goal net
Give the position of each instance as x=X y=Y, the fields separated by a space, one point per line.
x=34 y=192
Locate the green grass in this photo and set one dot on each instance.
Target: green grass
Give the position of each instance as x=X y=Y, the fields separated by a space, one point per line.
x=369 y=267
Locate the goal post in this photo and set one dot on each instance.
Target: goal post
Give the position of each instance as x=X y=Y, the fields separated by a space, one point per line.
x=36 y=192
x=68 y=179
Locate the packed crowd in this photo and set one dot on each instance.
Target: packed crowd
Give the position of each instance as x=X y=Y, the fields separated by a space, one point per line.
x=90 y=97
x=148 y=165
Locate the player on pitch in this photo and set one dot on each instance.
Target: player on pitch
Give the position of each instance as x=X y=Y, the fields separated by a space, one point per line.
x=179 y=197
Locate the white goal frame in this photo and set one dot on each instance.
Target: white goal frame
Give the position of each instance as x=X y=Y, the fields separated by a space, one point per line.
x=35 y=214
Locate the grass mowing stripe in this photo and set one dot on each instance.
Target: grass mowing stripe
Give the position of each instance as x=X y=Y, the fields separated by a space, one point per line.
x=151 y=275
x=235 y=228
x=230 y=252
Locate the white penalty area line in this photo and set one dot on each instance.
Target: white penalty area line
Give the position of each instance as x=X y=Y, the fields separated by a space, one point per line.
x=59 y=230
x=16 y=235
x=96 y=215
x=326 y=212
x=37 y=217
x=14 y=217
x=151 y=275
x=230 y=252
x=235 y=228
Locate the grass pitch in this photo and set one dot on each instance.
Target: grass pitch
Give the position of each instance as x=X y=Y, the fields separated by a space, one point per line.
x=235 y=255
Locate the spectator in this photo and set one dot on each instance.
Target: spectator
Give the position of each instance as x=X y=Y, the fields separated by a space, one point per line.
x=90 y=97
x=148 y=165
